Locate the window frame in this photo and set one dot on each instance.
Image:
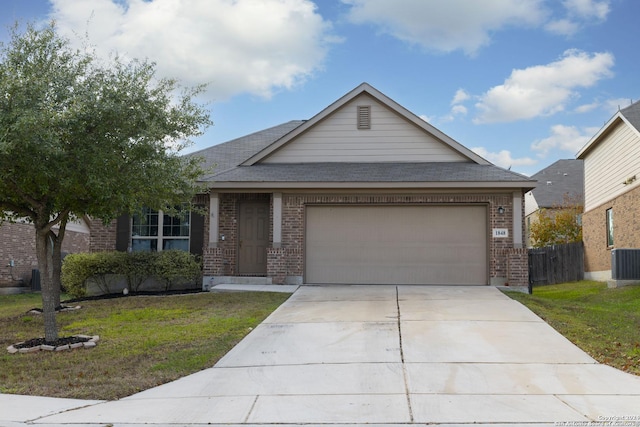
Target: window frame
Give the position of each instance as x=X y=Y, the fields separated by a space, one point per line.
x=159 y=237
x=609 y=227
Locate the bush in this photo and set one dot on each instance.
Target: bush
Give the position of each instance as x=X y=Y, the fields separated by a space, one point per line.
x=175 y=267
x=171 y=267
x=77 y=269
x=137 y=268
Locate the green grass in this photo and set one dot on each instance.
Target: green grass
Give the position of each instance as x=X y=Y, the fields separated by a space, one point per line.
x=603 y=322
x=145 y=341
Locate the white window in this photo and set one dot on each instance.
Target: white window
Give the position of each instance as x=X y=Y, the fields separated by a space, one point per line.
x=609 y=227
x=155 y=231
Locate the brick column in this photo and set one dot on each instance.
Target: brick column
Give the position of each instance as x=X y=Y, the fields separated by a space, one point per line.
x=276 y=265
x=517 y=266
x=213 y=262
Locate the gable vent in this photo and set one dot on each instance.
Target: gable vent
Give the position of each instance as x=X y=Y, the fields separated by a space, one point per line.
x=364 y=117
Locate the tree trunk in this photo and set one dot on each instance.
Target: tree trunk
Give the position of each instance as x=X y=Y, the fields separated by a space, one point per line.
x=56 y=260
x=45 y=264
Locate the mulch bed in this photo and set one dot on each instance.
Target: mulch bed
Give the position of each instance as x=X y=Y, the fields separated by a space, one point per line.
x=63 y=343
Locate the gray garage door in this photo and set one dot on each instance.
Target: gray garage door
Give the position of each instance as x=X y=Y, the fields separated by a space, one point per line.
x=433 y=245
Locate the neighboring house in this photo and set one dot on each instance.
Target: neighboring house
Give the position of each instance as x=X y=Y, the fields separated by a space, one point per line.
x=558 y=183
x=18 y=249
x=365 y=192
x=612 y=191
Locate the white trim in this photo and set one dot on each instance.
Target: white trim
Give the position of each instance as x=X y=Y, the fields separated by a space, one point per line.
x=517 y=219
x=214 y=206
x=277 y=220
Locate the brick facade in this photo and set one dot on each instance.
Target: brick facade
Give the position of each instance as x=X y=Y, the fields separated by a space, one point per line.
x=288 y=261
x=626 y=231
x=18 y=243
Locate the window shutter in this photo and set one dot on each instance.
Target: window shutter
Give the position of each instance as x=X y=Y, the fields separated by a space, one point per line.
x=196 y=240
x=123 y=233
x=364 y=117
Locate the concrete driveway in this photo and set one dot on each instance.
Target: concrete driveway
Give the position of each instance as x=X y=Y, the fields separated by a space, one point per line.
x=386 y=355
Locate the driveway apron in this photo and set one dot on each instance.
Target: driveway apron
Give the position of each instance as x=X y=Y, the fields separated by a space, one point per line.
x=388 y=355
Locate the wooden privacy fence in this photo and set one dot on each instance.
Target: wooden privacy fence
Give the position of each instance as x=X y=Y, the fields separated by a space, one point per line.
x=556 y=264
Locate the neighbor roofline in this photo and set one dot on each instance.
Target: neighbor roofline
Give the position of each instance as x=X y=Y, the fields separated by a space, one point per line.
x=399 y=109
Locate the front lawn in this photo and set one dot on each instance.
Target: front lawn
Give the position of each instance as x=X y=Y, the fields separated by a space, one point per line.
x=603 y=322
x=145 y=341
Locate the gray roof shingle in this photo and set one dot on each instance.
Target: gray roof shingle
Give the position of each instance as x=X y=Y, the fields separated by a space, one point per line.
x=632 y=113
x=369 y=172
x=231 y=153
x=564 y=177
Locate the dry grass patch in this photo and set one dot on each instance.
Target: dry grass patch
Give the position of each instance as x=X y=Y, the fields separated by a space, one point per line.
x=145 y=341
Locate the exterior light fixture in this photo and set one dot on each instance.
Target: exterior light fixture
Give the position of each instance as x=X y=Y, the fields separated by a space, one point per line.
x=500 y=210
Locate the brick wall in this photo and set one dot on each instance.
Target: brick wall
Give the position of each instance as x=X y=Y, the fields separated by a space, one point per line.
x=103 y=237
x=18 y=243
x=277 y=265
x=626 y=231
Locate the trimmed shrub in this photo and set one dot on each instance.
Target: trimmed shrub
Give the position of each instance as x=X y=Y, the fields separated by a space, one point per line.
x=174 y=267
x=137 y=268
x=76 y=270
x=105 y=269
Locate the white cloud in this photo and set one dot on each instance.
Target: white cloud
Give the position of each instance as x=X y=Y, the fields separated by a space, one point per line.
x=460 y=96
x=425 y=118
x=565 y=138
x=587 y=9
x=503 y=158
x=564 y=27
x=585 y=108
x=543 y=90
x=459 y=110
x=579 y=13
x=234 y=46
x=449 y=25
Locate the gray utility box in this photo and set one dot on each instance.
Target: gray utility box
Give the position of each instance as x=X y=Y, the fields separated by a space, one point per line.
x=625 y=264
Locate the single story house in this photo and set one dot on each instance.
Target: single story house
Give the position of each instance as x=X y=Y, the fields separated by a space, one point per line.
x=559 y=183
x=364 y=192
x=611 y=191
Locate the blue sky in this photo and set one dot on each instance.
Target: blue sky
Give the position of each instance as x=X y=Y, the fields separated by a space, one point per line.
x=521 y=82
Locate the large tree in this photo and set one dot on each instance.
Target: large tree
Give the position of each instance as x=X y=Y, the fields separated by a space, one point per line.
x=84 y=136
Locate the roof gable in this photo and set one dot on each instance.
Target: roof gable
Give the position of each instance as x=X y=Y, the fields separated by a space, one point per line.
x=629 y=116
x=396 y=135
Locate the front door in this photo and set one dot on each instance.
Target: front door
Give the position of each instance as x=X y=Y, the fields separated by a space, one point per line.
x=253 y=238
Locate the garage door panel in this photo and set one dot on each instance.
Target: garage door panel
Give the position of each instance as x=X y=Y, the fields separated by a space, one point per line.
x=396 y=244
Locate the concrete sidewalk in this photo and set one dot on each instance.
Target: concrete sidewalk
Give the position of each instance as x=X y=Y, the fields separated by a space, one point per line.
x=380 y=355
